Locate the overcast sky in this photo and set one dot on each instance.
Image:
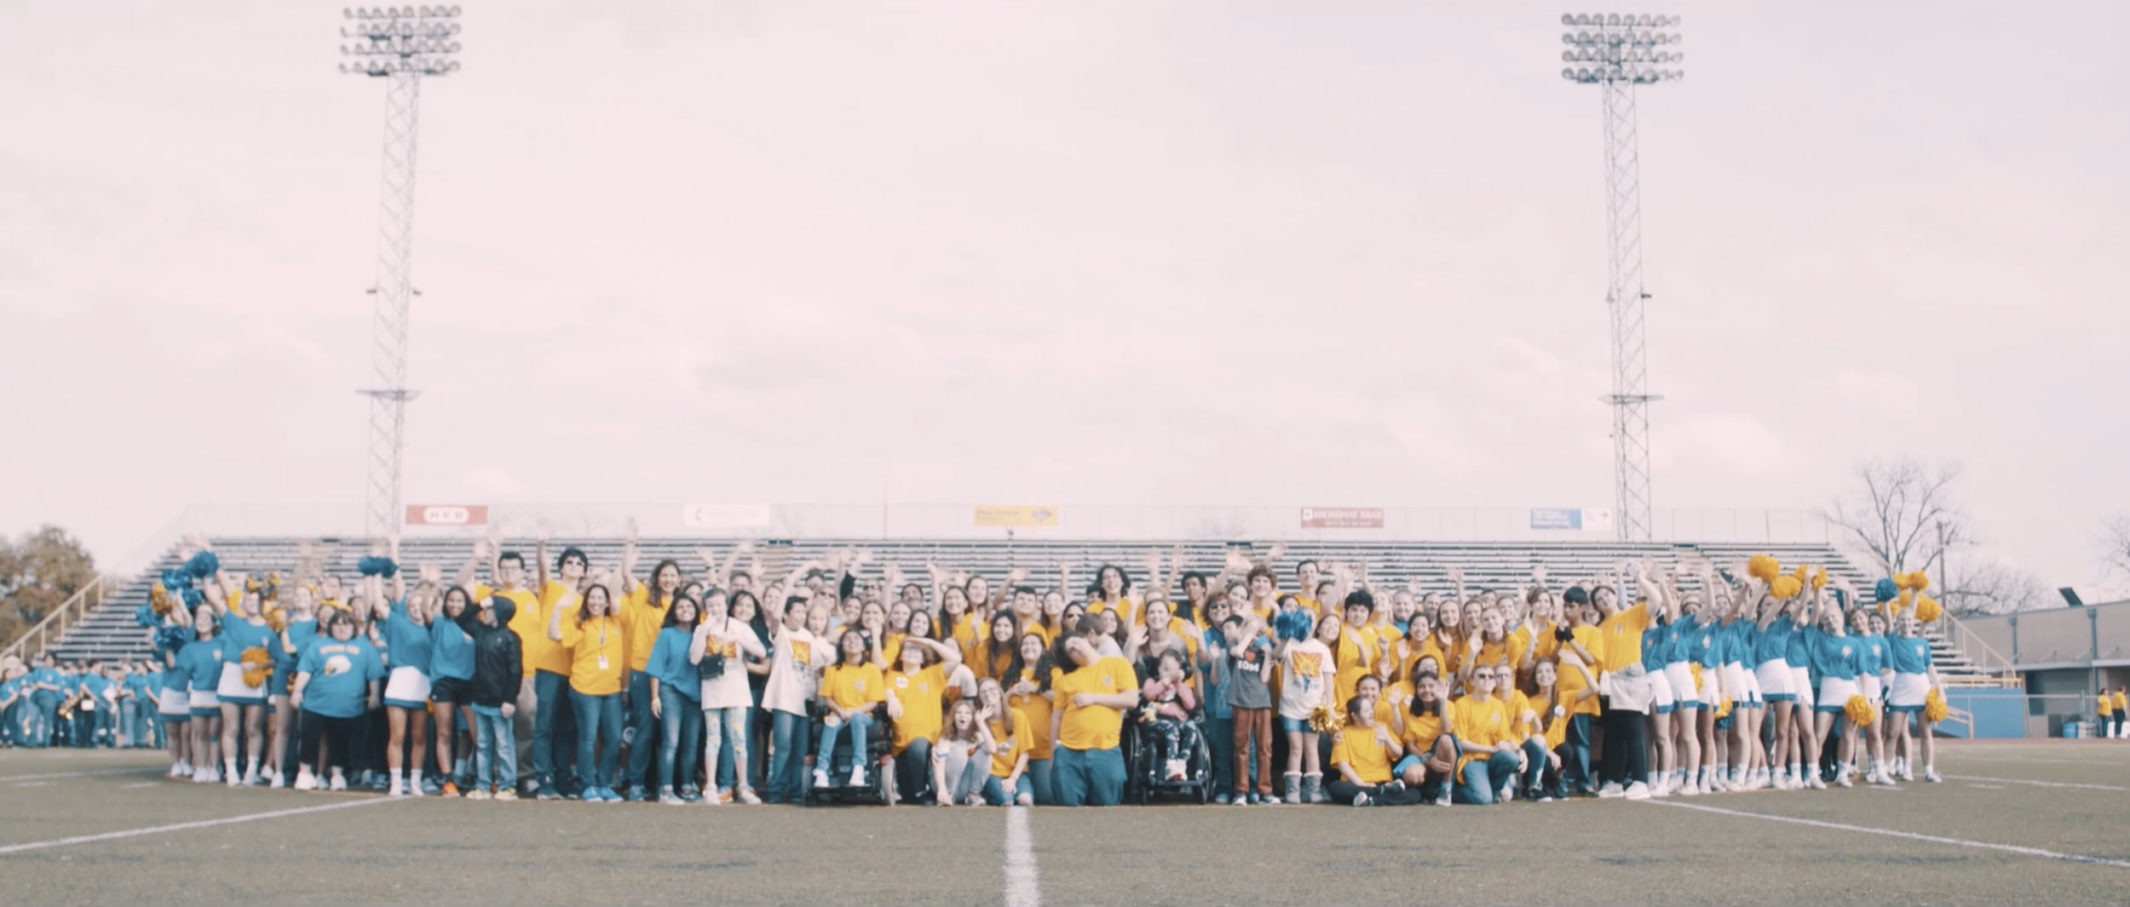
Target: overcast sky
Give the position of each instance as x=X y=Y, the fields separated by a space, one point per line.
x=1061 y=252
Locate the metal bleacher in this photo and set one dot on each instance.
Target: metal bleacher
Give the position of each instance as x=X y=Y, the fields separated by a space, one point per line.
x=109 y=631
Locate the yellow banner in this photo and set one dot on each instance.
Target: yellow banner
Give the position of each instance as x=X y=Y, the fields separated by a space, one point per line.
x=1017 y=516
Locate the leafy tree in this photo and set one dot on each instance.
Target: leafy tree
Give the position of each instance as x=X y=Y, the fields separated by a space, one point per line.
x=38 y=573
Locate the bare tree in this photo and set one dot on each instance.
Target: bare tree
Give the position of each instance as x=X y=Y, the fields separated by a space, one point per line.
x=2115 y=541
x=1995 y=588
x=1905 y=518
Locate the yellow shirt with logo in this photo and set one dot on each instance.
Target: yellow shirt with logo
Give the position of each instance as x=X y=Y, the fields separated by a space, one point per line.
x=597 y=651
x=1623 y=636
x=1093 y=726
x=1421 y=731
x=1010 y=746
x=853 y=686
x=1037 y=709
x=920 y=695
x=1359 y=749
x=1482 y=722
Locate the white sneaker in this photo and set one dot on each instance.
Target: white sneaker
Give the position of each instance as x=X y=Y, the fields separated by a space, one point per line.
x=1815 y=782
x=397 y=790
x=820 y=780
x=1175 y=770
x=1842 y=780
x=180 y=770
x=1930 y=774
x=858 y=776
x=275 y=781
x=1638 y=791
x=1660 y=791
x=305 y=780
x=747 y=795
x=1506 y=794
x=340 y=782
x=1612 y=791
x=1904 y=774
x=1689 y=789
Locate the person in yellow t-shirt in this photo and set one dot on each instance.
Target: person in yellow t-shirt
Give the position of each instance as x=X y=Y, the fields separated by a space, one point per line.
x=1012 y=736
x=597 y=646
x=916 y=697
x=1585 y=647
x=2122 y=705
x=1430 y=761
x=850 y=689
x=1356 y=654
x=643 y=614
x=543 y=698
x=1027 y=684
x=1490 y=757
x=1361 y=753
x=1091 y=694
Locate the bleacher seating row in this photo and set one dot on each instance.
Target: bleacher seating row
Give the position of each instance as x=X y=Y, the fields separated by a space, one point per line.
x=110 y=631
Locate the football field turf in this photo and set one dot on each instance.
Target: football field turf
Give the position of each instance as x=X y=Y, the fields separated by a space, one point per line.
x=2040 y=822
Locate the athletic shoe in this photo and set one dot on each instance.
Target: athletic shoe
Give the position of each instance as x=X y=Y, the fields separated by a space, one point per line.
x=340 y=782
x=396 y=791
x=450 y=789
x=1637 y=791
x=1361 y=799
x=1268 y=800
x=305 y=780
x=1905 y=774
x=746 y=795
x=548 y=791
x=1612 y=791
x=690 y=794
x=177 y=769
x=1841 y=780
x=1930 y=774
x=1506 y=794
x=668 y=797
x=636 y=793
x=478 y=794
x=276 y=780
x=858 y=776
x=1689 y=789
x=1220 y=799
x=1815 y=782
x=506 y=794
x=415 y=789
x=1175 y=770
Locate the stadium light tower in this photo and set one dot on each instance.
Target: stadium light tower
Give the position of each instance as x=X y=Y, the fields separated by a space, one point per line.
x=400 y=45
x=1618 y=52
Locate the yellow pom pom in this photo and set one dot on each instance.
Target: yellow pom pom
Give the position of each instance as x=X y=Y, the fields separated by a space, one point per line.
x=1860 y=711
x=1819 y=578
x=1723 y=707
x=1785 y=587
x=1928 y=609
x=1919 y=580
x=276 y=618
x=1326 y=720
x=1934 y=707
x=1763 y=567
x=257 y=666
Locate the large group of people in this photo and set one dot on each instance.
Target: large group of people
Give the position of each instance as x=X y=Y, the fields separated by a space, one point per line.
x=1266 y=682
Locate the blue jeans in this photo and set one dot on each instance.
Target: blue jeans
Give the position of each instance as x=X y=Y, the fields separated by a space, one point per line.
x=682 y=725
x=1575 y=758
x=552 y=691
x=996 y=793
x=1480 y=778
x=858 y=725
x=724 y=737
x=913 y=772
x=495 y=749
x=1037 y=781
x=787 y=747
x=598 y=721
x=1535 y=762
x=643 y=729
x=1089 y=777
x=739 y=739
x=129 y=722
x=1220 y=738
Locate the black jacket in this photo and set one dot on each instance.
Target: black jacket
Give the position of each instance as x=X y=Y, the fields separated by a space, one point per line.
x=498 y=660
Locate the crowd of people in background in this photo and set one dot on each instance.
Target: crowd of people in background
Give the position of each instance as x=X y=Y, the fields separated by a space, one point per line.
x=1292 y=683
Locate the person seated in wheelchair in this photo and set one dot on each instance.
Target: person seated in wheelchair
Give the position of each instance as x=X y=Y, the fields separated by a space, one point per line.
x=1167 y=702
x=851 y=690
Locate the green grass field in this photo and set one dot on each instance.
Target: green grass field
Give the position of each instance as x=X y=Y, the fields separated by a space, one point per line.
x=2044 y=822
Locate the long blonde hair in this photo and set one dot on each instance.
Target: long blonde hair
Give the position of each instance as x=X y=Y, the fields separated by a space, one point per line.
x=1005 y=711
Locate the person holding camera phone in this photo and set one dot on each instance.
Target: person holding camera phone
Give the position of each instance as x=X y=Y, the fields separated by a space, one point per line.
x=716 y=649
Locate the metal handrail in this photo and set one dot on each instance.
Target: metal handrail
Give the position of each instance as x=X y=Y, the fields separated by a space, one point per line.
x=1963 y=716
x=1969 y=642
x=40 y=637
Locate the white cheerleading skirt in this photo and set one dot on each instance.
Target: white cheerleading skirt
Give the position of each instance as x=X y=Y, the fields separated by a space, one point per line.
x=173 y=704
x=1681 y=679
x=1775 y=681
x=1870 y=685
x=407 y=687
x=233 y=689
x=1909 y=691
x=1801 y=684
x=1834 y=693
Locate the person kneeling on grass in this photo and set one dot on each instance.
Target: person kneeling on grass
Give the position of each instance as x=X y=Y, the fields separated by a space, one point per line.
x=1430 y=763
x=961 y=760
x=1361 y=752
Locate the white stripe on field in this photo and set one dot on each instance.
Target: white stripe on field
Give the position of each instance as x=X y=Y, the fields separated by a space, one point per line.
x=1935 y=839
x=1021 y=890
x=183 y=826
x=2037 y=783
x=101 y=771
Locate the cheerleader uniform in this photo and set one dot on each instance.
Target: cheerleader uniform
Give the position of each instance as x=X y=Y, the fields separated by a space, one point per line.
x=201 y=662
x=1680 y=635
x=1799 y=657
x=407 y=651
x=173 y=702
x=1771 y=668
x=1910 y=658
x=1656 y=649
x=1836 y=658
x=1732 y=647
x=238 y=636
x=1871 y=652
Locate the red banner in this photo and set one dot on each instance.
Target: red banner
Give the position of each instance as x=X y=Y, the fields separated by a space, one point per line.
x=447 y=514
x=1342 y=518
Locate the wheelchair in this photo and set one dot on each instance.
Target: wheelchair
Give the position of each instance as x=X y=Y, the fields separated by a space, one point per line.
x=840 y=790
x=1145 y=775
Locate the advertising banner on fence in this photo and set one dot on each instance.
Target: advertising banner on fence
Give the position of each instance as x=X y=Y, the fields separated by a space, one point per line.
x=725 y=516
x=1585 y=519
x=1016 y=515
x=447 y=514
x=1342 y=518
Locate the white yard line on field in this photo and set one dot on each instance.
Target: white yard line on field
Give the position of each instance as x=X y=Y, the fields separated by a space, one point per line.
x=185 y=826
x=1913 y=836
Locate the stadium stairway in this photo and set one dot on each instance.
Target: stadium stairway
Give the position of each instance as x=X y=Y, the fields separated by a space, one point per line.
x=110 y=632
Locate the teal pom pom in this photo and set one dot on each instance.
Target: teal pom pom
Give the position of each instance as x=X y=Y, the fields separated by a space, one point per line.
x=1887 y=590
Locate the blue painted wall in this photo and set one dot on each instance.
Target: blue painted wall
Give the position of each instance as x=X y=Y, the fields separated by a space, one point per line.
x=1998 y=714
